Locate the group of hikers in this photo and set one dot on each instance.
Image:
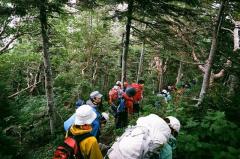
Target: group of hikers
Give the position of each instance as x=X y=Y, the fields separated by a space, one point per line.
x=179 y=89
x=152 y=137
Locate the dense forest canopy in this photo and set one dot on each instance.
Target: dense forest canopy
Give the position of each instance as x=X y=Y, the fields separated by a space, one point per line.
x=53 y=52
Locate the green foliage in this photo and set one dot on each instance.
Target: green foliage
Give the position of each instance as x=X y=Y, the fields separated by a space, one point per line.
x=8 y=146
x=212 y=134
x=85 y=54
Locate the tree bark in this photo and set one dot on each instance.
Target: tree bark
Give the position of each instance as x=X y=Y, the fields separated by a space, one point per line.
x=209 y=63
x=179 y=76
x=160 y=81
x=47 y=65
x=126 y=42
x=236 y=36
x=141 y=61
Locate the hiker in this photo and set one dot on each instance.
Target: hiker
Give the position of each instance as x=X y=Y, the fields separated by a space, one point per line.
x=119 y=84
x=144 y=140
x=95 y=101
x=166 y=151
x=125 y=108
x=101 y=118
x=115 y=95
x=125 y=85
x=82 y=125
x=165 y=94
x=138 y=96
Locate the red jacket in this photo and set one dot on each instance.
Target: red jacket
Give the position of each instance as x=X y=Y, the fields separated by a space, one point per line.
x=139 y=91
x=128 y=103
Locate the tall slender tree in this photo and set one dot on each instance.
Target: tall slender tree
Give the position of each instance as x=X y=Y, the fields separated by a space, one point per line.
x=47 y=64
x=127 y=40
x=213 y=49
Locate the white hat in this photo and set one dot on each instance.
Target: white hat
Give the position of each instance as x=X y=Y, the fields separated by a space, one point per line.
x=84 y=115
x=105 y=115
x=174 y=123
x=164 y=91
x=118 y=82
x=95 y=94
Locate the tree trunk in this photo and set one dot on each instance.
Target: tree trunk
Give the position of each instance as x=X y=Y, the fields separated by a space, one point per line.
x=153 y=86
x=160 y=81
x=207 y=73
x=179 y=76
x=126 y=42
x=233 y=85
x=236 y=36
x=141 y=61
x=47 y=66
x=121 y=51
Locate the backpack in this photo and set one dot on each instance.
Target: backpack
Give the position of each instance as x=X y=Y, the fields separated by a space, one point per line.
x=133 y=144
x=70 y=149
x=121 y=107
x=143 y=141
x=138 y=88
x=113 y=93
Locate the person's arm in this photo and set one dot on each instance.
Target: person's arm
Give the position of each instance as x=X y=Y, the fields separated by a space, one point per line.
x=69 y=122
x=95 y=127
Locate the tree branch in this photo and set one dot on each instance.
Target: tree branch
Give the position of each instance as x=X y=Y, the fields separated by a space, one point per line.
x=4 y=48
x=227 y=29
x=13 y=95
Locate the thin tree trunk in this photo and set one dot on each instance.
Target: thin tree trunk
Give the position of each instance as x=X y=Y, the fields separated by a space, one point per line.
x=236 y=36
x=37 y=77
x=207 y=73
x=141 y=61
x=153 y=86
x=121 y=51
x=160 y=81
x=179 y=76
x=126 y=42
x=47 y=66
x=90 y=20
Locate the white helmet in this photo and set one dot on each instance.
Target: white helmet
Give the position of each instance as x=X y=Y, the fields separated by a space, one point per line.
x=174 y=123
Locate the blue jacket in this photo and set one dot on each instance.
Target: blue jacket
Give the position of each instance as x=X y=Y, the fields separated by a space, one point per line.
x=95 y=124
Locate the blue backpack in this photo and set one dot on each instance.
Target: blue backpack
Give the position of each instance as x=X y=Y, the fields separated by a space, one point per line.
x=121 y=106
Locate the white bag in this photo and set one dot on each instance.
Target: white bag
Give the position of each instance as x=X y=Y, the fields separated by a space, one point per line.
x=142 y=140
x=131 y=145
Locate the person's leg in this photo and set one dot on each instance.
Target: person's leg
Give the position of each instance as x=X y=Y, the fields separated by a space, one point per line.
x=125 y=118
x=136 y=108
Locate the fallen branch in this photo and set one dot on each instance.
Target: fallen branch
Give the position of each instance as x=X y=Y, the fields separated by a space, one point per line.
x=15 y=94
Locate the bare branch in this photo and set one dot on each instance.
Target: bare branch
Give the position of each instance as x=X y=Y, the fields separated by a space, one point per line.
x=219 y=74
x=4 y=48
x=227 y=29
x=13 y=95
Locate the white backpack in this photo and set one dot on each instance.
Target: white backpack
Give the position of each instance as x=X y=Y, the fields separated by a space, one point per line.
x=131 y=145
x=140 y=141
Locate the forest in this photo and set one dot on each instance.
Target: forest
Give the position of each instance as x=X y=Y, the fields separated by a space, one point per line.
x=53 y=52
